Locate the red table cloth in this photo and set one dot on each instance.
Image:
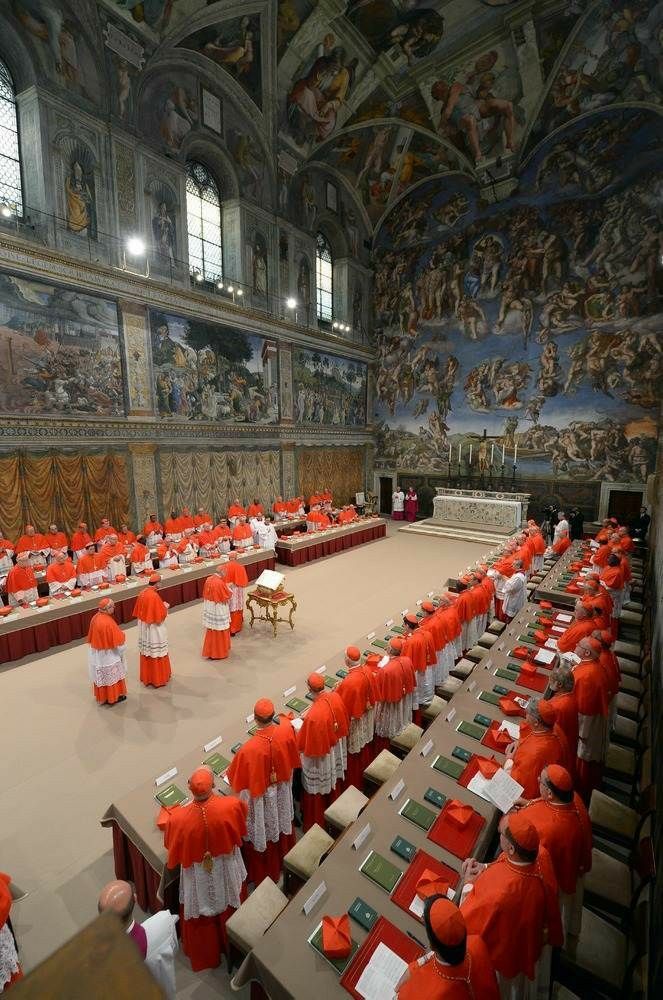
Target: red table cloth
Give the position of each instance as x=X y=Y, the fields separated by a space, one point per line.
x=328 y=546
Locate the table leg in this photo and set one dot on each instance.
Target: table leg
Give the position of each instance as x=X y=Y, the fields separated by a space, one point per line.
x=253 y=615
x=293 y=608
x=275 y=619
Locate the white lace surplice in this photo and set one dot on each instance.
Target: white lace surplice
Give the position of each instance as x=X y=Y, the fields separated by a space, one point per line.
x=216 y=615
x=204 y=894
x=107 y=666
x=320 y=774
x=270 y=814
x=362 y=731
x=152 y=640
x=8 y=957
x=237 y=599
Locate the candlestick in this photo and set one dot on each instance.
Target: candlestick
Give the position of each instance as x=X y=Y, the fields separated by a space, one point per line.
x=503 y=453
x=515 y=453
x=470 y=458
x=460 y=451
x=492 y=452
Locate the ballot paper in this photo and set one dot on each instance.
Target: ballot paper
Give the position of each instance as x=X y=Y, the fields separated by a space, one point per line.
x=571 y=658
x=381 y=975
x=478 y=785
x=296 y=724
x=558 y=630
x=503 y=791
x=417 y=907
x=512 y=728
x=551 y=643
x=544 y=656
x=564 y=618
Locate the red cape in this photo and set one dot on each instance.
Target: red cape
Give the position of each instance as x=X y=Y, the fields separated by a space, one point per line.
x=325 y=723
x=358 y=691
x=534 y=752
x=216 y=590
x=273 y=748
x=566 y=833
x=104 y=632
x=150 y=608
x=188 y=835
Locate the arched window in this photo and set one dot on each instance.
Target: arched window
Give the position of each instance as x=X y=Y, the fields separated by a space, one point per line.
x=203 y=213
x=324 y=281
x=11 y=193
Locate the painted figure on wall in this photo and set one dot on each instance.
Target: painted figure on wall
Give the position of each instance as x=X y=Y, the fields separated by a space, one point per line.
x=205 y=371
x=235 y=46
x=329 y=389
x=60 y=351
x=358 y=327
x=309 y=203
x=163 y=228
x=250 y=163
x=304 y=286
x=79 y=188
x=316 y=97
x=260 y=283
x=178 y=114
x=61 y=38
x=548 y=308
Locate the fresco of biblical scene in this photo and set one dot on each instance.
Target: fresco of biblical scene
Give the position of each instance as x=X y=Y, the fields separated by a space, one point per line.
x=160 y=17
x=479 y=108
x=613 y=56
x=410 y=108
x=204 y=371
x=169 y=108
x=410 y=30
x=234 y=45
x=60 y=351
x=61 y=45
x=329 y=389
x=538 y=321
x=315 y=104
x=290 y=16
x=372 y=159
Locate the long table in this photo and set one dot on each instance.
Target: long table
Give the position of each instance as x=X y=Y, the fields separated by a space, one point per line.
x=283 y=962
x=552 y=588
x=315 y=545
x=30 y=630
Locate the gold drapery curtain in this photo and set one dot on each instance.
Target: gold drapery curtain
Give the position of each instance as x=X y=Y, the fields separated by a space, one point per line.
x=341 y=469
x=61 y=487
x=212 y=479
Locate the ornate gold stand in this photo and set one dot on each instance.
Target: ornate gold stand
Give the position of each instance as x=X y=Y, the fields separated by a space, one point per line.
x=270 y=605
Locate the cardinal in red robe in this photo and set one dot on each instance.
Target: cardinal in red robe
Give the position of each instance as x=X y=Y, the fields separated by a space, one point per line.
x=358 y=692
x=237 y=579
x=205 y=838
x=582 y=625
x=216 y=617
x=10 y=967
x=151 y=611
x=544 y=744
x=21 y=583
x=107 y=665
x=322 y=742
x=397 y=694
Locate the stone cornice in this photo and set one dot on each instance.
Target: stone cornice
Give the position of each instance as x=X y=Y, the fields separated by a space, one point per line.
x=42 y=262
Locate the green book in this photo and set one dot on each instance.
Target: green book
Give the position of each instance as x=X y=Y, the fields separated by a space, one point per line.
x=235 y=747
x=252 y=731
x=418 y=814
x=462 y=754
x=482 y=720
x=449 y=767
x=171 y=795
x=421 y=614
x=526 y=637
x=403 y=848
x=501 y=691
x=364 y=914
x=489 y=697
x=340 y=964
x=380 y=643
x=513 y=667
x=296 y=704
x=507 y=675
x=437 y=798
x=217 y=763
x=381 y=871
x=331 y=682
x=398 y=629
x=310 y=695
x=341 y=673
x=471 y=730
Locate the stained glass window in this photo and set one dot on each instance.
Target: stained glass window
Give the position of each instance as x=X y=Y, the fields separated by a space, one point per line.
x=11 y=193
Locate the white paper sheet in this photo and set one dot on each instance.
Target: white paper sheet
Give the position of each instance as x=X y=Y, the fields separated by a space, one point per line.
x=503 y=790
x=563 y=617
x=417 y=906
x=478 y=786
x=379 y=978
x=512 y=728
x=544 y=656
x=558 y=630
x=551 y=643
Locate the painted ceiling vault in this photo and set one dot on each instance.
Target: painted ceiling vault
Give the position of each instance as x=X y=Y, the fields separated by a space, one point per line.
x=381 y=95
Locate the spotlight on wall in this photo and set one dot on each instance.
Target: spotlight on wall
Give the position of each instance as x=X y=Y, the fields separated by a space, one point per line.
x=230 y=289
x=198 y=276
x=5 y=211
x=135 y=246
x=291 y=303
x=240 y=292
x=219 y=285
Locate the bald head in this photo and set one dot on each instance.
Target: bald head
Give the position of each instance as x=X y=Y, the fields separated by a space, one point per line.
x=118 y=897
x=582 y=612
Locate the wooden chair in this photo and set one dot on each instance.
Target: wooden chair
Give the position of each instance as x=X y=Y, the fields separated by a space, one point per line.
x=613 y=888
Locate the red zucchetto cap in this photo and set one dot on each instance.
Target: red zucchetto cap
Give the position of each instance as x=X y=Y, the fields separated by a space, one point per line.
x=523 y=833
x=263 y=709
x=428 y=607
x=396 y=643
x=606 y=637
x=593 y=643
x=201 y=781
x=559 y=777
x=154 y=578
x=447 y=923
x=105 y=603
x=353 y=653
x=411 y=619
x=316 y=682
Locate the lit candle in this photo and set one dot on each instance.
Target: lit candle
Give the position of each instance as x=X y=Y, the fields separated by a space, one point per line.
x=450 y=451
x=515 y=453
x=460 y=451
x=503 y=453
x=470 y=458
x=492 y=452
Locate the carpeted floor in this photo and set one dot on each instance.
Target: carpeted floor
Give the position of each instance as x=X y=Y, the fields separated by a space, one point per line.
x=64 y=759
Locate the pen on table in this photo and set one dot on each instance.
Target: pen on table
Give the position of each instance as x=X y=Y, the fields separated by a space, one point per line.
x=415 y=938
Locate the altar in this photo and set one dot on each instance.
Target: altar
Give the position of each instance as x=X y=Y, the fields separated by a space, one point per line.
x=474 y=515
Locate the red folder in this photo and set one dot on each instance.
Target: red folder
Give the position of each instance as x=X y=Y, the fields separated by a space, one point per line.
x=382 y=931
x=496 y=740
x=459 y=841
x=533 y=682
x=406 y=889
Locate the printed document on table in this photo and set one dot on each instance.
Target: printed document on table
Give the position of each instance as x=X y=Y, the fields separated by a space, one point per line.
x=478 y=786
x=544 y=656
x=379 y=978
